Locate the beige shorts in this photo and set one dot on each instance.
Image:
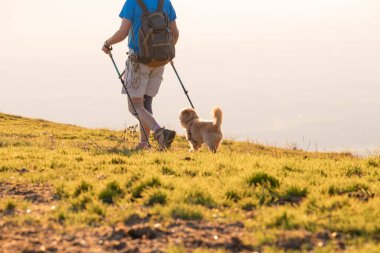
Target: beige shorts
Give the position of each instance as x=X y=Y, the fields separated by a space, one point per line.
x=142 y=80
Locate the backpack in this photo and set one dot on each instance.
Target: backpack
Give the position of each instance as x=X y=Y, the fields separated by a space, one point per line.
x=155 y=38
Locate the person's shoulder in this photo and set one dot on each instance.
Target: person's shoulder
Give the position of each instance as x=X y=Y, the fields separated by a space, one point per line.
x=169 y=1
x=128 y=10
x=131 y=3
x=168 y=4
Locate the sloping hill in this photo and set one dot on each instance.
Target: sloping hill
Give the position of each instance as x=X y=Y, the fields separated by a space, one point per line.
x=65 y=188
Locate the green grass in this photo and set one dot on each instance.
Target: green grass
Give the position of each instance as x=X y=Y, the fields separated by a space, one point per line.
x=263 y=179
x=294 y=194
x=139 y=189
x=82 y=188
x=198 y=197
x=111 y=193
x=156 y=197
x=186 y=213
x=10 y=207
x=96 y=180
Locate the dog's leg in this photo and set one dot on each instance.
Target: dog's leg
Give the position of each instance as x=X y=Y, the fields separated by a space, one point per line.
x=217 y=143
x=212 y=144
x=191 y=147
x=195 y=146
x=213 y=149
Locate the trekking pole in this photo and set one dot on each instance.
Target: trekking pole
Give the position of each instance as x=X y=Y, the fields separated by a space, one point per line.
x=183 y=87
x=129 y=97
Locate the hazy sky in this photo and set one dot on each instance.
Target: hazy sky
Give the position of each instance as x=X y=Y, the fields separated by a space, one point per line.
x=295 y=71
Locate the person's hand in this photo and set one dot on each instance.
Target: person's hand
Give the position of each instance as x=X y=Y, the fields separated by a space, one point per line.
x=106 y=48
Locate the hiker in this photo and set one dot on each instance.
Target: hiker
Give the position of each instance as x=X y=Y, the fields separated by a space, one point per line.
x=144 y=69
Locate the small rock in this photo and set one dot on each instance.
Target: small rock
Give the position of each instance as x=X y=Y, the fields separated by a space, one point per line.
x=118 y=234
x=22 y=171
x=101 y=177
x=52 y=249
x=341 y=245
x=119 y=246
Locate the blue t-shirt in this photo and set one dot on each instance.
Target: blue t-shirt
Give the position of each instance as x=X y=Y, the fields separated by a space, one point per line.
x=133 y=12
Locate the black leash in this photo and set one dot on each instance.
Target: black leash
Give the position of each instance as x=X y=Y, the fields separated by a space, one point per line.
x=183 y=87
x=129 y=97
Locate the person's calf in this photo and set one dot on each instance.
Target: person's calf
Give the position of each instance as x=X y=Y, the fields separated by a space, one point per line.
x=136 y=107
x=144 y=133
x=148 y=101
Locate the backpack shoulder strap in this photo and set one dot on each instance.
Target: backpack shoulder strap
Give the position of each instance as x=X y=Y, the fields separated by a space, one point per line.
x=143 y=6
x=160 y=5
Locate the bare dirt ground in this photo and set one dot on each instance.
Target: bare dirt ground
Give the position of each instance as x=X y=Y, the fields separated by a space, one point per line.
x=122 y=238
x=135 y=235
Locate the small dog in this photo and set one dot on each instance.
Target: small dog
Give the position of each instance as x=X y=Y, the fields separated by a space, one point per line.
x=199 y=131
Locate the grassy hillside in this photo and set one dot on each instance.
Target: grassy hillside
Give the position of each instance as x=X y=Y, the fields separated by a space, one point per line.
x=66 y=188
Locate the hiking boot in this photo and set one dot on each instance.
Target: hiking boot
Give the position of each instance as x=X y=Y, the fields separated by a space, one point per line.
x=164 y=137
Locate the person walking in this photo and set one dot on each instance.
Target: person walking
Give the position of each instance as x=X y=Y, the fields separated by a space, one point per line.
x=150 y=24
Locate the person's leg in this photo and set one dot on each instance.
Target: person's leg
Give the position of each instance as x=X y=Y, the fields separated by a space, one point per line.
x=148 y=106
x=163 y=136
x=137 y=78
x=148 y=100
x=146 y=118
x=143 y=80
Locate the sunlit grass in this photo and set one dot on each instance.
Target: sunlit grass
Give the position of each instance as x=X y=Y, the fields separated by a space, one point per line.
x=96 y=180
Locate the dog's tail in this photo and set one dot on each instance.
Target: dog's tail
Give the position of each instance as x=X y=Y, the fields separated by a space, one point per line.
x=218 y=116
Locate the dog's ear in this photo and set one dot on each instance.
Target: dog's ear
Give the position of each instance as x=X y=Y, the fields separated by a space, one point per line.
x=193 y=113
x=185 y=115
x=182 y=115
x=185 y=112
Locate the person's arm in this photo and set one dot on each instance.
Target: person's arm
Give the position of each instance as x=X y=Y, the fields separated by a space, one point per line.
x=119 y=36
x=174 y=28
